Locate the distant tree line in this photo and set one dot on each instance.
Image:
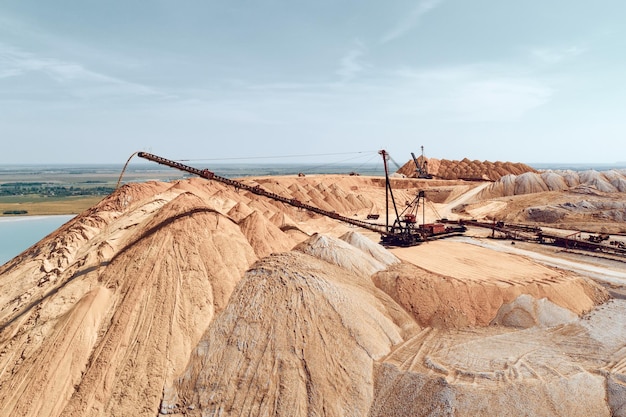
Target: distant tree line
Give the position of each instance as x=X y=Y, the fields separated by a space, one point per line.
x=51 y=190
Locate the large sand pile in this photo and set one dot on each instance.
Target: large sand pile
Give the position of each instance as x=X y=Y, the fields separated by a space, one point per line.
x=534 y=182
x=192 y=298
x=567 y=199
x=321 y=340
x=103 y=312
x=566 y=370
x=299 y=337
x=466 y=169
x=452 y=284
x=121 y=312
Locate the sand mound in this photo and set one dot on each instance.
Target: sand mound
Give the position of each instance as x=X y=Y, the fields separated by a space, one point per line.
x=554 y=181
x=289 y=226
x=159 y=260
x=526 y=311
x=284 y=222
x=239 y=212
x=534 y=372
x=466 y=169
x=146 y=298
x=293 y=347
x=572 y=211
x=35 y=389
x=458 y=285
x=264 y=236
x=372 y=249
x=276 y=348
x=533 y=182
x=340 y=253
x=142 y=304
x=125 y=197
x=617 y=179
x=568 y=199
x=596 y=180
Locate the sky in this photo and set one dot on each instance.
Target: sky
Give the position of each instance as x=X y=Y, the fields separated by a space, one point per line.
x=86 y=81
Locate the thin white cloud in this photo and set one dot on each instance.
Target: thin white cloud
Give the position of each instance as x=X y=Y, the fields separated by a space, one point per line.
x=498 y=99
x=9 y=72
x=556 y=55
x=411 y=20
x=466 y=94
x=351 y=63
x=471 y=93
x=15 y=62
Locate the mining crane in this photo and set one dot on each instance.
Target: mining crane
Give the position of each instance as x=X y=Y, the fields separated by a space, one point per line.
x=402 y=233
x=421 y=168
x=405 y=228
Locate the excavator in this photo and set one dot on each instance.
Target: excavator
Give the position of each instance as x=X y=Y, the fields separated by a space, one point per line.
x=403 y=232
x=421 y=168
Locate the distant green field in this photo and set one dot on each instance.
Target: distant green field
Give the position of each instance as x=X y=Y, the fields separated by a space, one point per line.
x=36 y=205
x=44 y=190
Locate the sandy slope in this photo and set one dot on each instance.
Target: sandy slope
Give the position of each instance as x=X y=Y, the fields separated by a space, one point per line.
x=111 y=305
x=453 y=284
x=289 y=344
x=588 y=200
x=193 y=298
x=135 y=318
x=564 y=370
x=466 y=169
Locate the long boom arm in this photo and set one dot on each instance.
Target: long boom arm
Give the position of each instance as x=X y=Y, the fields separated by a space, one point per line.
x=417 y=165
x=422 y=170
x=205 y=173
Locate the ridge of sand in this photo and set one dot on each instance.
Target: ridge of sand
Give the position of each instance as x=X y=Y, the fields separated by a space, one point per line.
x=613 y=181
x=294 y=346
x=264 y=237
x=588 y=200
x=466 y=169
x=453 y=284
x=143 y=303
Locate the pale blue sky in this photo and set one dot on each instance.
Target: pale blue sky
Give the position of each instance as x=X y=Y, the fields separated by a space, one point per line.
x=86 y=81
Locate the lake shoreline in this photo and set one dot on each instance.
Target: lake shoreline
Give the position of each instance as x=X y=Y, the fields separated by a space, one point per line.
x=26 y=217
